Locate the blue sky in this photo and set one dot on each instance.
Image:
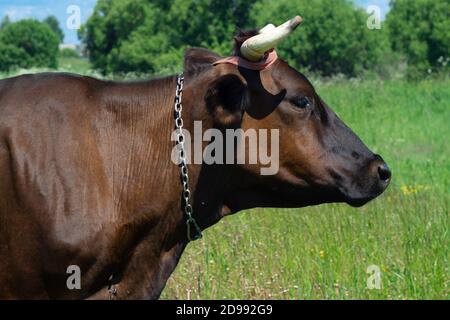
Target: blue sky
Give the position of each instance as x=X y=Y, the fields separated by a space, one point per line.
x=383 y=4
x=39 y=9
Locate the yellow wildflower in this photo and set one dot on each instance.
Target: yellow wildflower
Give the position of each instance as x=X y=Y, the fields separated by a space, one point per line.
x=322 y=254
x=411 y=190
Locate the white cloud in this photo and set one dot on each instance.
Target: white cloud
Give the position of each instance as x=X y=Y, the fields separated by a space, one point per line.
x=21 y=12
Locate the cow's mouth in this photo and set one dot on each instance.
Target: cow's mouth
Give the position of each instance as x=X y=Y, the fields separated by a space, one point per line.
x=361 y=196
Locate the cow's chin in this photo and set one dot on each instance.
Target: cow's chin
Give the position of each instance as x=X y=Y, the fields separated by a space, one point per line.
x=358 y=202
x=283 y=194
x=328 y=194
x=295 y=197
x=358 y=198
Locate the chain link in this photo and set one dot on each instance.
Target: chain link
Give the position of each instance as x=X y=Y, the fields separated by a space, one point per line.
x=112 y=290
x=180 y=139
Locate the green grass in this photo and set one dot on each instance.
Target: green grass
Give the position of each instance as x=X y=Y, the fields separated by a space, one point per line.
x=77 y=65
x=323 y=252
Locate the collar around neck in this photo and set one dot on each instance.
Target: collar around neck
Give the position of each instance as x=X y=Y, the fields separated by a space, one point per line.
x=270 y=58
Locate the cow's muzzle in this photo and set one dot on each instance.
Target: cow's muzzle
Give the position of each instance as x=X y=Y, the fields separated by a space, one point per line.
x=369 y=183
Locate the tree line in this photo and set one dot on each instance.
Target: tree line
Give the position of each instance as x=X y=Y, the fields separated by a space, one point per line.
x=150 y=36
x=29 y=43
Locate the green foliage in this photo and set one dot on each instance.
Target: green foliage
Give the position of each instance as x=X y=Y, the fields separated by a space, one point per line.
x=151 y=36
x=5 y=21
x=28 y=43
x=111 y=25
x=421 y=30
x=68 y=53
x=207 y=23
x=333 y=38
x=11 y=57
x=53 y=23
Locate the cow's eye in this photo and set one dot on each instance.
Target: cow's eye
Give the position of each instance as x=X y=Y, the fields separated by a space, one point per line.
x=302 y=102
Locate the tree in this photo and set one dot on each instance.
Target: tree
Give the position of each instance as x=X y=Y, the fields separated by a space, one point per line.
x=5 y=21
x=53 y=23
x=333 y=38
x=111 y=26
x=69 y=53
x=207 y=23
x=151 y=35
x=30 y=43
x=12 y=57
x=420 y=29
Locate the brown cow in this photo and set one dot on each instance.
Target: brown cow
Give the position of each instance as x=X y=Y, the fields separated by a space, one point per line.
x=87 y=180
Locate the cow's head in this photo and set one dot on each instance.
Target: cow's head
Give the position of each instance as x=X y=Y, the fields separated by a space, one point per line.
x=320 y=158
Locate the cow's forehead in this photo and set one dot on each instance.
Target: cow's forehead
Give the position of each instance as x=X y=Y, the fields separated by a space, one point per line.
x=287 y=77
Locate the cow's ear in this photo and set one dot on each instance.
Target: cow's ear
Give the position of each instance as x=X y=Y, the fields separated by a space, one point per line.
x=226 y=99
x=196 y=60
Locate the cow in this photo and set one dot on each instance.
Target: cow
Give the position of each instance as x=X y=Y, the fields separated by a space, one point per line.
x=88 y=183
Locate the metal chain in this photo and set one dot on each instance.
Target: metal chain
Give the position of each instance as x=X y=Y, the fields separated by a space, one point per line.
x=112 y=290
x=180 y=139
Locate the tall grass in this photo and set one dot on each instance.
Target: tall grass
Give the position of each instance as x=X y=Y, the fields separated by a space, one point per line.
x=323 y=252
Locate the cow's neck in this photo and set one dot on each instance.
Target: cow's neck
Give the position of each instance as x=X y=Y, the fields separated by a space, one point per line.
x=210 y=183
x=155 y=231
x=165 y=226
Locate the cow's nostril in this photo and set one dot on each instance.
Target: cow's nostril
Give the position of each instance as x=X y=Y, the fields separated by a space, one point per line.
x=384 y=172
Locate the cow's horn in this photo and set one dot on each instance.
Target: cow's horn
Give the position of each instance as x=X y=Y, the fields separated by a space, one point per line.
x=268 y=28
x=269 y=37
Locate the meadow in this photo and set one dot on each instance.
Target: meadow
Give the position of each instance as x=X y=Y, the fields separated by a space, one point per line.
x=323 y=252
